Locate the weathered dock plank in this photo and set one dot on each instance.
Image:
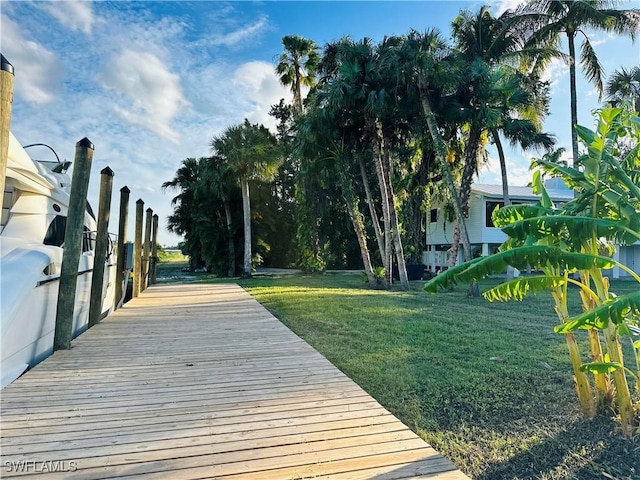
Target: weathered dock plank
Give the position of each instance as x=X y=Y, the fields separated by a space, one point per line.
x=200 y=381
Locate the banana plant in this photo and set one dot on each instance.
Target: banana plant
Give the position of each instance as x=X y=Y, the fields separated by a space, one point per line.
x=572 y=245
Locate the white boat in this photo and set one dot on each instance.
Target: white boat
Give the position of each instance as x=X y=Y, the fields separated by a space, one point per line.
x=34 y=212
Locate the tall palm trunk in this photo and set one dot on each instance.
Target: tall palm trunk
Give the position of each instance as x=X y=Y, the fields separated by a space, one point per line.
x=441 y=156
x=231 y=250
x=246 y=214
x=505 y=185
x=297 y=91
x=377 y=159
x=469 y=170
x=372 y=208
x=393 y=219
x=503 y=167
x=351 y=202
x=574 y=100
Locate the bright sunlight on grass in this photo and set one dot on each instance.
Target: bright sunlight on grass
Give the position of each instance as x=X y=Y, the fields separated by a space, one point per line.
x=488 y=384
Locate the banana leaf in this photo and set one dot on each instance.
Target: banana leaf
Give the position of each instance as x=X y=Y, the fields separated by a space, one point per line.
x=519 y=288
x=449 y=277
x=514 y=213
x=538 y=256
x=578 y=228
x=616 y=310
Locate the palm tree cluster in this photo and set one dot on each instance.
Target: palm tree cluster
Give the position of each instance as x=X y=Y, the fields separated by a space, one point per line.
x=385 y=128
x=214 y=200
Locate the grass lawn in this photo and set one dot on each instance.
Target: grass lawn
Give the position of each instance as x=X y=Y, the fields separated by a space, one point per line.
x=488 y=385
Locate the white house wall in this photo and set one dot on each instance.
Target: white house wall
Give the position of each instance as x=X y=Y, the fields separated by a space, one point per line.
x=629 y=256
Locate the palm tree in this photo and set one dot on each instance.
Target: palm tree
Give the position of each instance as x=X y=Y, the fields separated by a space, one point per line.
x=492 y=95
x=554 y=18
x=250 y=151
x=297 y=66
x=425 y=68
x=218 y=182
x=182 y=221
x=354 y=81
x=325 y=136
x=625 y=85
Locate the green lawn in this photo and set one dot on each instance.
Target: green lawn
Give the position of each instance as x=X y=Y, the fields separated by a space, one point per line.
x=488 y=385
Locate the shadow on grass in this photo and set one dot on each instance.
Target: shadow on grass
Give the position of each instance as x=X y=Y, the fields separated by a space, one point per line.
x=585 y=450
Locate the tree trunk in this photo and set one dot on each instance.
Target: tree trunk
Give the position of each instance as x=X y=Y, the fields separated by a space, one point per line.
x=372 y=208
x=441 y=156
x=297 y=90
x=231 y=272
x=503 y=167
x=455 y=242
x=505 y=187
x=393 y=220
x=574 y=101
x=377 y=158
x=246 y=211
x=351 y=202
x=469 y=170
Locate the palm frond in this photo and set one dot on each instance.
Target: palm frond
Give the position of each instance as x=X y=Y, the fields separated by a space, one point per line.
x=592 y=66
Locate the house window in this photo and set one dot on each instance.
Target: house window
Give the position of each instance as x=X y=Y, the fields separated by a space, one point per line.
x=490 y=206
x=433 y=215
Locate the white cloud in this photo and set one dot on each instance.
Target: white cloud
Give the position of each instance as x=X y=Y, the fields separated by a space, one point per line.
x=38 y=71
x=502 y=6
x=518 y=172
x=260 y=88
x=75 y=15
x=237 y=36
x=155 y=92
x=554 y=73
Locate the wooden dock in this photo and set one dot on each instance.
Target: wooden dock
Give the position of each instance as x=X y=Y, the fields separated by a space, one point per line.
x=201 y=381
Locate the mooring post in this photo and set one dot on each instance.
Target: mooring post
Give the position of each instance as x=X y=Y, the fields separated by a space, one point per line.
x=122 y=238
x=154 y=249
x=72 y=244
x=137 y=248
x=6 y=103
x=102 y=243
x=146 y=251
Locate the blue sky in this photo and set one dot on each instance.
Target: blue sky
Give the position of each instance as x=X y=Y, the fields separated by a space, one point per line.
x=151 y=82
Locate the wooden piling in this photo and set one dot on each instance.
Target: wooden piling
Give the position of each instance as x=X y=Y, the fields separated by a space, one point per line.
x=137 y=248
x=72 y=244
x=6 y=103
x=122 y=238
x=102 y=243
x=146 y=251
x=154 y=249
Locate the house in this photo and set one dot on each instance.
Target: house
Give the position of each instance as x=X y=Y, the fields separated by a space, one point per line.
x=485 y=238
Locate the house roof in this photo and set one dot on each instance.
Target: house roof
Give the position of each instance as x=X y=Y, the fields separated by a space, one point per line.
x=557 y=192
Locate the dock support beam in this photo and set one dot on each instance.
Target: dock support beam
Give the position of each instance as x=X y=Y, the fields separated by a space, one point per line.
x=146 y=251
x=72 y=244
x=154 y=249
x=6 y=103
x=137 y=248
x=122 y=238
x=102 y=243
